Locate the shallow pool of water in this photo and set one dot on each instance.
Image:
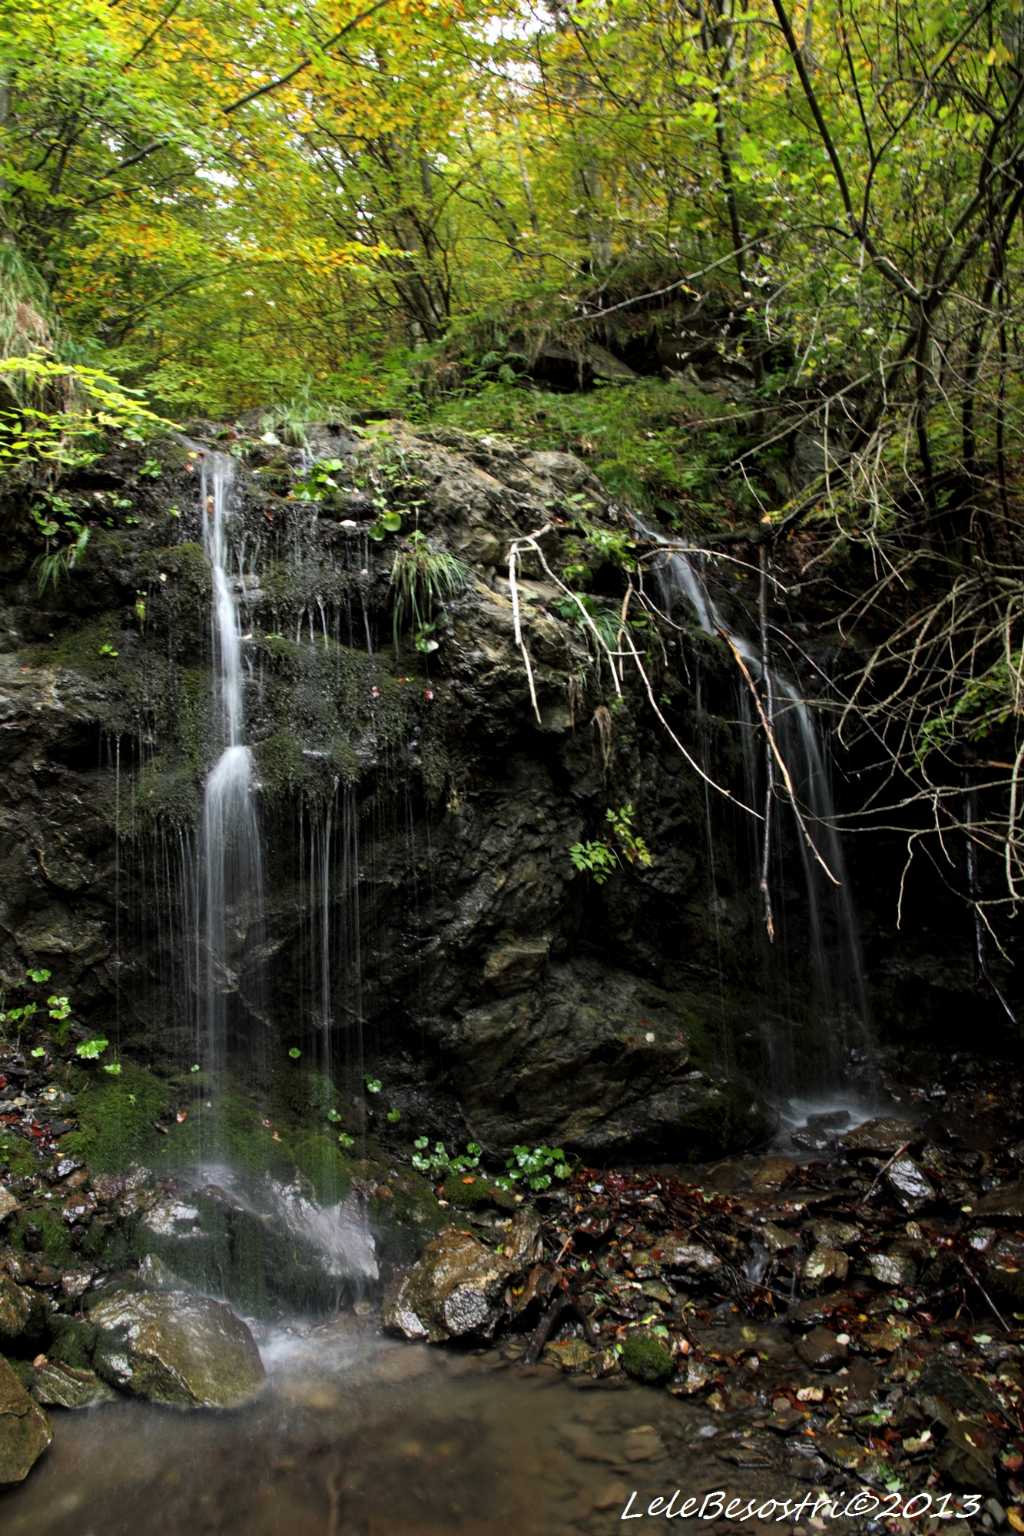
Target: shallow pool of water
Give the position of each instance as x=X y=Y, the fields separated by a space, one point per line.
x=358 y=1436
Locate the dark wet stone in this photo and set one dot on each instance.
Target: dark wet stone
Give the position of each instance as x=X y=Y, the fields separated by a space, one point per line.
x=821 y=1350
x=909 y=1184
x=685 y=1258
x=1005 y=1203
x=876 y=1137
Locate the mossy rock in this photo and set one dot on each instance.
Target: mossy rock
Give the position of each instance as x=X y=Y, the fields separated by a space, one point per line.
x=646 y=1358
x=24 y=1430
x=117 y=1119
x=468 y=1193
x=166 y=793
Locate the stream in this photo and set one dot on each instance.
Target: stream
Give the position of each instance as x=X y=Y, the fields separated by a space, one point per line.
x=356 y=1436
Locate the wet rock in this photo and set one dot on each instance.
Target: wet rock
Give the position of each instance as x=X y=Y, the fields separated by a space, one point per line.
x=24 y=1430
x=695 y=1377
x=570 y=1354
x=772 y=1172
x=512 y=966
x=523 y=1244
x=893 y=1268
x=66 y=1386
x=824 y=1266
x=454 y=1291
x=643 y=1444
x=835 y=1234
x=157 y=1275
x=16 y=1306
x=1005 y=1203
x=822 y=1350
x=909 y=1184
x=962 y=1406
x=177 y=1349
x=1002 y=1268
x=777 y=1239
x=594 y=1060
x=877 y=1137
x=679 y=1257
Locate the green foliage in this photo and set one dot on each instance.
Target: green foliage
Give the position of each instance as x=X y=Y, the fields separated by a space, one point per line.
x=536 y=1167
x=89 y=1050
x=423 y=580
x=76 y=433
x=985 y=704
x=436 y=1160
x=57 y=1005
x=599 y=858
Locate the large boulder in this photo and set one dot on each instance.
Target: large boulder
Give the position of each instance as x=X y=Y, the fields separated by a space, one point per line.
x=175 y=1348
x=454 y=1291
x=600 y=1062
x=24 y=1429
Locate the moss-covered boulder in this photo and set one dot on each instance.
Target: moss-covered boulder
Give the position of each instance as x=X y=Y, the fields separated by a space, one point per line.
x=24 y=1429
x=177 y=1349
x=454 y=1291
x=646 y=1358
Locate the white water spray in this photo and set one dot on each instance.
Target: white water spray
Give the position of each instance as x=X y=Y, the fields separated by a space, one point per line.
x=232 y=862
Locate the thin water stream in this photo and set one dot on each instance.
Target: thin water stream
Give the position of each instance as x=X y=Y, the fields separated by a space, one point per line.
x=837 y=1002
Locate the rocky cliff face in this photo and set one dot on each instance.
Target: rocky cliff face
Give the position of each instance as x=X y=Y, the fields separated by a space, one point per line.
x=422 y=913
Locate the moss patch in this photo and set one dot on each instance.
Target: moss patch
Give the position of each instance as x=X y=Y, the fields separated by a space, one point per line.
x=646 y=1358
x=16 y=1156
x=116 y=1119
x=479 y=1192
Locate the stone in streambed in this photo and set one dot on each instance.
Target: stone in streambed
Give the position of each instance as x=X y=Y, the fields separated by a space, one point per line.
x=24 y=1429
x=877 y=1137
x=454 y=1291
x=56 y=1385
x=174 y=1348
x=824 y=1265
x=822 y=1350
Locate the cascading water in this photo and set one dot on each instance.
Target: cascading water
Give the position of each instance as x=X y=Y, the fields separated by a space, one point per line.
x=232 y=865
x=838 y=1002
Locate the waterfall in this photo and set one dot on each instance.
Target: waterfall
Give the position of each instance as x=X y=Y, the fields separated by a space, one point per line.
x=837 y=1003
x=231 y=862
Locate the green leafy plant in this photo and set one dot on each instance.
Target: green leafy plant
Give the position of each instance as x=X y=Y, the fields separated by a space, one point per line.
x=393 y=1116
x=58 y=1008
x=599 y=858
x=436 y=1161
x=319 y=481
x=294 y=1053
x=89 y=1050
x=537 y=1167
x=372 y=1084
x=423 y=580
x=346 y=1141
x=106 y=649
